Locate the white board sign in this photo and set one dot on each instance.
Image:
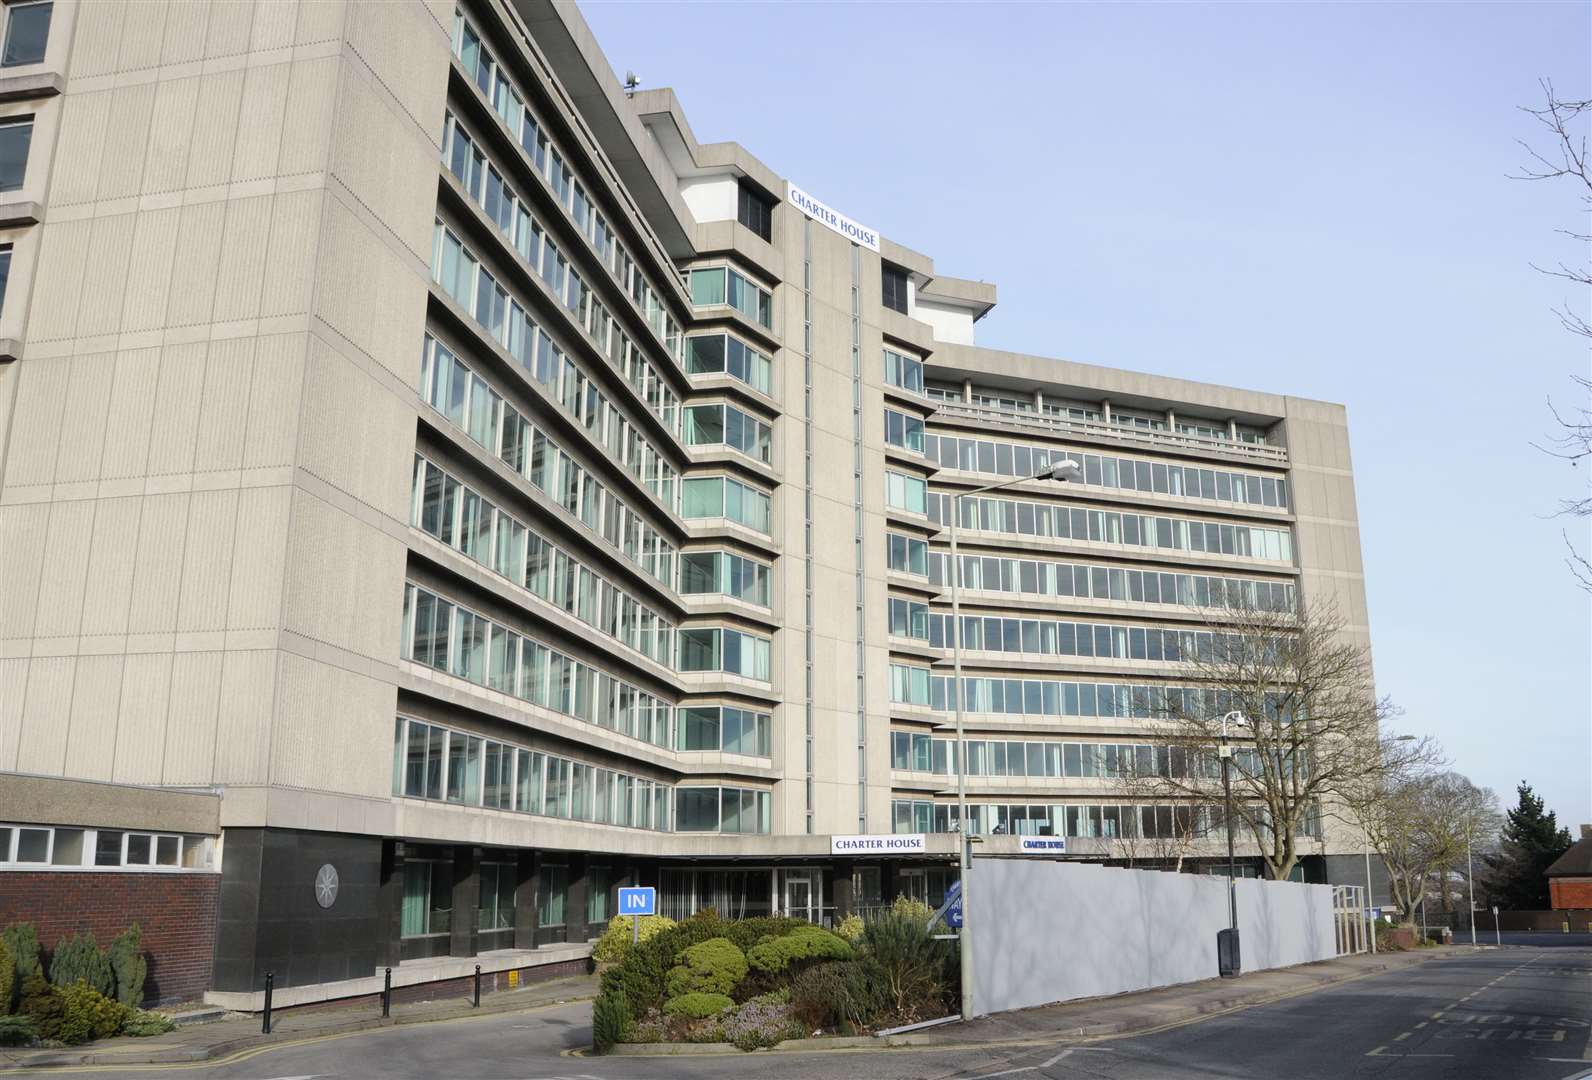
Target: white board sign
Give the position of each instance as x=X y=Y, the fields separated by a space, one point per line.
x=830 y=218
x=879 y=844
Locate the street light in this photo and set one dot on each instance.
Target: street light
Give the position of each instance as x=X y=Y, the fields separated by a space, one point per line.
x=1062 y=471
x=1229 y=969
x=1369 y=893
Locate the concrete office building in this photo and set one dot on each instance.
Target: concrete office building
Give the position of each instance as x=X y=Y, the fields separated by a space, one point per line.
x=436 y=489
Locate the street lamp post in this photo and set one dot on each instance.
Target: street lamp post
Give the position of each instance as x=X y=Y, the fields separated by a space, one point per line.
x=1064 y=470
x=1230 y=970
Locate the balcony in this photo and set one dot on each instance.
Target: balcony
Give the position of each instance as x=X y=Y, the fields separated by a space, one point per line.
x=1059 y=426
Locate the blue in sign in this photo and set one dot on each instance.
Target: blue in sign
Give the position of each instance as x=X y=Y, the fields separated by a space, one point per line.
x=642 y=900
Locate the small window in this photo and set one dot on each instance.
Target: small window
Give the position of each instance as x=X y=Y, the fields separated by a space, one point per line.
x=108 y=848
x=27 y=31
x=894 y=285
x=33 y=845
x=755 y=211
x=15 y=134
x=139 y=849
x=5 y=273
x=68 y=848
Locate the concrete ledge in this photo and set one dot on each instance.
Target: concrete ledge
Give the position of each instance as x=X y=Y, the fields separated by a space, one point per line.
x=22 y=87
x=414 y=973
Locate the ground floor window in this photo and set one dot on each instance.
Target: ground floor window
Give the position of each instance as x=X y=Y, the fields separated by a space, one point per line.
x=554 y=895
x=496 y=908
x=600 y=882
x=734 y=894
x=428 y=898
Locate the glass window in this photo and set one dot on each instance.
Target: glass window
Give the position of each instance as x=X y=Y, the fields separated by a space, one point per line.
x=27 y=31
x=893 y=286
x=5 y=273
x=33 y=845
x=755 y=210
x=15 y=134
x=107 y=848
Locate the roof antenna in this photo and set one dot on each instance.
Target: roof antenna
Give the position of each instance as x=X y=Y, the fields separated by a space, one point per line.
x=631 y=82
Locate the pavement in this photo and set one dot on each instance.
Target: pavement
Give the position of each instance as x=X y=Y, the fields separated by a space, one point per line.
x=1452 y=1013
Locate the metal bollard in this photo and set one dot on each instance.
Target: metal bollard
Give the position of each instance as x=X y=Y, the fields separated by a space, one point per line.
x=265 y=1017
x=386 y=994
x=477 y=1002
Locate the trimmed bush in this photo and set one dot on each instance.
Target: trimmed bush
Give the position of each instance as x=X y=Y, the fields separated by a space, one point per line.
x=615 y=942
x=610 y=1018
x=41 y=1003
x=141 y=1024
x=87 y=1014
x=713 y=966
x=915 y=967
x=801 y=946
x=22 y=942
x=128 y=966
x=697 y=1006
x=16 y=1031
x=759 y=1024
x=79 y=959
x=850 y=928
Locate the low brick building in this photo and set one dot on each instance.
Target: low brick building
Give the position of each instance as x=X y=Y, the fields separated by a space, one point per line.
x=1570 y=877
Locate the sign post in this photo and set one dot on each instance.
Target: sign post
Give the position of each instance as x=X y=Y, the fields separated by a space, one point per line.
x=637 y=901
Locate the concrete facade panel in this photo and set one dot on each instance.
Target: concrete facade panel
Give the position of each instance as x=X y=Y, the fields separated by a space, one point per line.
x=88 y=394
x=22 y=532
x=170 y=131
x=157 y=576
x=328 y=720
x=183 y=36
x=261 y=111
x=207 y=561
x=64 y=570
x=105 y=275
x=215 y=120
x=223 y=405
x=228 y=30
x=178 y=394
x=311 y=106
x=149 y=270
x=405 y=48
x=271 y=428
x=46 y=715
x=57 y=279
x=127 y=138
x=244 y=719
x=84 y=120
x=91 y=736
x=198 y=258
x=111 y=561
x=193 y=718
x=97 y=40
x=14 y=677
x=141 y=719
x=241 y=267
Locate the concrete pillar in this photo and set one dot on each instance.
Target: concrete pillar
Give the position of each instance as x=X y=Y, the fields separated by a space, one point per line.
x=1232 y=429
x=840 y=899
x=967 y=391
x=525 y=899
x=1171 y=421
x=1039 y=401
x=888 y=883
x=466 y=899
x=1105 y=411
x=390 y=904
x=575 y=898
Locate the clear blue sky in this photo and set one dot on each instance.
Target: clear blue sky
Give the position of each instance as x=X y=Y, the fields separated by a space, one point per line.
x=1307 y=199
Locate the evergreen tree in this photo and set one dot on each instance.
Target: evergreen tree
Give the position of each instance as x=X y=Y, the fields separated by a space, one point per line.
x=1530 y=842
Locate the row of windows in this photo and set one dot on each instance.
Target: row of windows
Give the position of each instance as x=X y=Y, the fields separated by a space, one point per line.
x=1025 y=518
x=719 y=285
x=721 y=424
x=903 y=371
x=1179 y=821
x=995 y=757
x=726 y=728
x=724 y=573
x=448 y=637
x=1051 y=637
x=457 y=271
x=713 y=648
x=427 y=907
x=24 y=846
x=1073 y=410
x=1126 y=474
x=1041 y=577
x=910 y=685
x=723 y=497
x=535 y=247
x=727 y=810
x=566 y=188
x=434 y=762
x=470 y=402
x=707 y=354
x=467 y=522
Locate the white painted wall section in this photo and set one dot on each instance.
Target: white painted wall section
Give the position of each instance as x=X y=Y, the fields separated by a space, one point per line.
x=710 y=198
x=950 y=324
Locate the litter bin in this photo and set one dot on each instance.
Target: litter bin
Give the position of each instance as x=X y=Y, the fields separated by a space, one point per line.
x=1227 y=962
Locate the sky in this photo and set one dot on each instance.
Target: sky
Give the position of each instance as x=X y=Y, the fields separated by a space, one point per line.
x=1310 y=199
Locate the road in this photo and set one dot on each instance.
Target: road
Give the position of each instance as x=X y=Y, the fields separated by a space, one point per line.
x=1495 y=1014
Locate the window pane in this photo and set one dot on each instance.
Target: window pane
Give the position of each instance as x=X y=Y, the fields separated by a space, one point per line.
x=14 y=139
x=27 y=31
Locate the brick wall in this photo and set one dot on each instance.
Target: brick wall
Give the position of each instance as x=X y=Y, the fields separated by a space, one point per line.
x=176 y=912
x=1570 y=893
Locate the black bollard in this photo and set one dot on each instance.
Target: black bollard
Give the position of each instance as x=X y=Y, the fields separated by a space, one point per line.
x=386 y=995
x=477 y=1002
x=265 y=1017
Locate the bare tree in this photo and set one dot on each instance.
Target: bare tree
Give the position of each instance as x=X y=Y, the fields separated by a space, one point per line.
x=1306 y=734
x=1566 y=120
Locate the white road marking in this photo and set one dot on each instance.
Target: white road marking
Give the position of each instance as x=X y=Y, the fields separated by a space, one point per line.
x=1007 y=1072
x=1052 y=1061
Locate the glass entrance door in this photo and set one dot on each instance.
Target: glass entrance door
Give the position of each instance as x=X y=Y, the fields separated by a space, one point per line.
x=801 y=894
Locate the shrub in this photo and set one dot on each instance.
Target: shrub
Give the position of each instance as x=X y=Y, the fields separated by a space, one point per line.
x=915 y=967
x=615 y=942
x=697 y=1006
x=713 y=966
x=610 y=1017
x=79 y=958
x=41 y=1003
x=128 y=966
x=8 y=977
x=839 y=994
x=760 y=1023
x=16 y=1030
x=22 y=942
x=141 y=1024
x=800 y=946
x=906 y=905
x=749 y=932
x=850 y=928
x=88 y=1014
